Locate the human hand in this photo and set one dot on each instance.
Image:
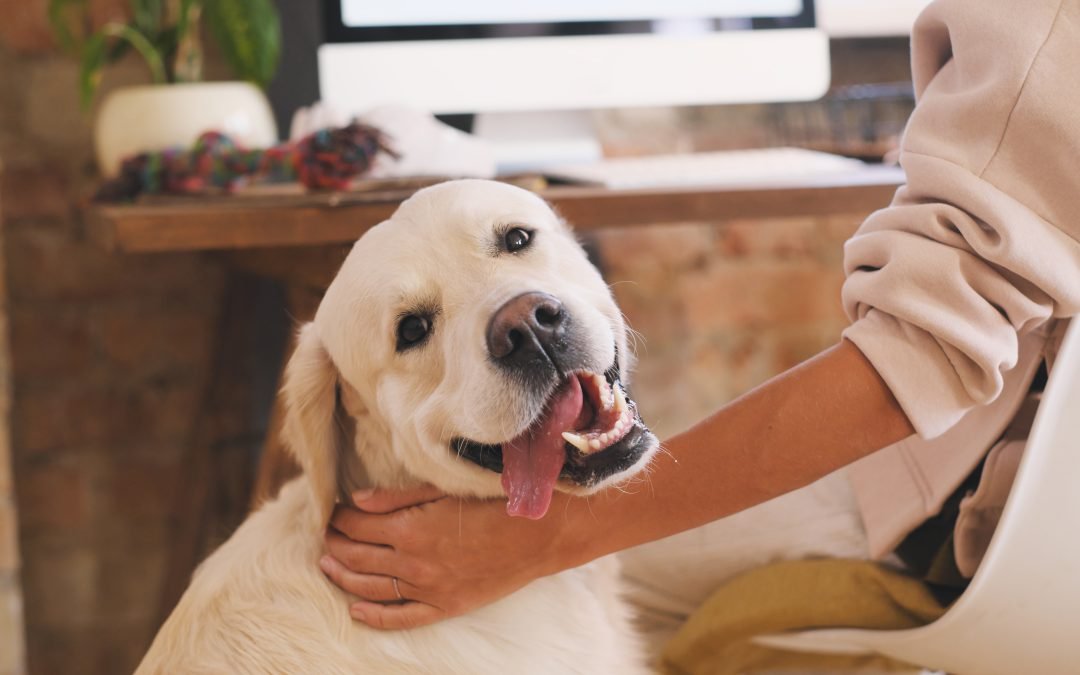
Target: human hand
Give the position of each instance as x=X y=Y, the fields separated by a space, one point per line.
x=449 y=555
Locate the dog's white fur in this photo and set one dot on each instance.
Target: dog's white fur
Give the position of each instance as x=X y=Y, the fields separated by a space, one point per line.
x=260 y=604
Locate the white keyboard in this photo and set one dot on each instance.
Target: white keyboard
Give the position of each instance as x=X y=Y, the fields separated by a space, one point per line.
x=765 y=167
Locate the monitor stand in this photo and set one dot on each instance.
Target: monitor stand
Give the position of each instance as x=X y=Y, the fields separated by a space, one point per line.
x=531 y=141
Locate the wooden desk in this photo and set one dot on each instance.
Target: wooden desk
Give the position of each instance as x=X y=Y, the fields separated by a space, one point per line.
x=246 y=222
x=301 y=240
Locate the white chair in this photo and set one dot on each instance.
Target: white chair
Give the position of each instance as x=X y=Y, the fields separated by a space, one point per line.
x=1021 y=613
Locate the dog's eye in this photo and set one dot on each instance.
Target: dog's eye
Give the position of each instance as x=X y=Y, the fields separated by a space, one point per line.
x=412 y=330
x=516 y=239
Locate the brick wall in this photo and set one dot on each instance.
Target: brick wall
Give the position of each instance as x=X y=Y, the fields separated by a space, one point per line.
x=12 y=656
x=109 y=357
x=721 y=307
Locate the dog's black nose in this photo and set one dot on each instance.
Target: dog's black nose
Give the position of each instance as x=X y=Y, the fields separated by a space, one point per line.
x=528 y=329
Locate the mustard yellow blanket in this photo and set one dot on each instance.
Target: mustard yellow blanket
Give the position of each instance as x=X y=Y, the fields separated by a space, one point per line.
x=792 y=596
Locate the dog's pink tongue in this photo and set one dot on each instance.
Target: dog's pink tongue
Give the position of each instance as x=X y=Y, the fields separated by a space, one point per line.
x=533 y=460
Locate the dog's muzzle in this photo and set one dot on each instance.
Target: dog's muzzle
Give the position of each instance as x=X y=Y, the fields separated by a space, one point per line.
x=588 y=431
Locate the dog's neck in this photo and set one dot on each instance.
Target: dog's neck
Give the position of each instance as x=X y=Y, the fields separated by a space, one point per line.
x=377 y=469
x=350 y=470
x=351 y=476
x=356 y=432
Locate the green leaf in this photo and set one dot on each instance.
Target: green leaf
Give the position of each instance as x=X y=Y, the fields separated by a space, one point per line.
x=187 y=56
x=249 y=33
x=189 y=9
x=148 y=15
x=62 y=14
x=165 y=43
x=142 y=45
x=117 y=51
x=93 y=59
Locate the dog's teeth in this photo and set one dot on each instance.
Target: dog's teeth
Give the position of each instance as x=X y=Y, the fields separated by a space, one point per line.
x=603 y=389
x=620 y=400
x=594 y=444
x=577 y=441
x=605 y=439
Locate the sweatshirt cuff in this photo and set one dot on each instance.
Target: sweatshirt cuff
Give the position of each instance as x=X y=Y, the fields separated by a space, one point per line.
x=915 y=369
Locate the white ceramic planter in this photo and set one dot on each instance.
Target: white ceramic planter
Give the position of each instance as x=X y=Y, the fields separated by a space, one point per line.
x=156 y=117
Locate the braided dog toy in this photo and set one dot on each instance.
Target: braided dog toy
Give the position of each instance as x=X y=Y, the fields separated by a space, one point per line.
x=325 y=160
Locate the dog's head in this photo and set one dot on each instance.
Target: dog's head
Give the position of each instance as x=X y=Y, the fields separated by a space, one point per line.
x=474 y=347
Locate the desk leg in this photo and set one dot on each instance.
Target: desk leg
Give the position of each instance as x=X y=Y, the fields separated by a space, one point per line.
x=276 y=465
x=219 y=428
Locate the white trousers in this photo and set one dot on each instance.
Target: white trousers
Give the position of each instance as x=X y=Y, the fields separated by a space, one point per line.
x=668 y=579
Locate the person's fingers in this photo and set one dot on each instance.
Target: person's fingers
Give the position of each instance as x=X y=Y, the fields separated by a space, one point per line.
x=396 y=617
x=363 y=558
x=388 y=501
x=369 y=587
x=362 y=527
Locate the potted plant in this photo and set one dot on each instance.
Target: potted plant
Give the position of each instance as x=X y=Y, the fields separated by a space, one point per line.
x=178 y=105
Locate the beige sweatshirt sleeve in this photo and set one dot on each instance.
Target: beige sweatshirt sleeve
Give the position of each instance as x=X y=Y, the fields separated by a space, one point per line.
x=983 y=243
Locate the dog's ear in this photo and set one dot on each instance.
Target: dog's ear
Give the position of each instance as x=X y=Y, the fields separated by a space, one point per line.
x=311 y=429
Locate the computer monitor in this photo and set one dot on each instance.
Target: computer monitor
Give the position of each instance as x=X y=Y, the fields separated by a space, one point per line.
x=517 y=63
x=868 y=18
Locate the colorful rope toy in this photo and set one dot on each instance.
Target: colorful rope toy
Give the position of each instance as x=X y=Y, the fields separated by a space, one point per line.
x=325 y=160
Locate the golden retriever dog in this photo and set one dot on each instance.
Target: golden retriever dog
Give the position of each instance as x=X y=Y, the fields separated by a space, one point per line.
x=469 y=343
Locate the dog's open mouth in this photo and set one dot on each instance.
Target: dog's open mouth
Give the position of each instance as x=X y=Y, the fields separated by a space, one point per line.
x=588 y=430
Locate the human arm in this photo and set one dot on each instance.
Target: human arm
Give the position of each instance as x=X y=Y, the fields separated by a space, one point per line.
x=452 y=555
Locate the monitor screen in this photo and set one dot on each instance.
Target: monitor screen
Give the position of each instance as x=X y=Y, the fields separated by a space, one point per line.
x=512 y=56
x=366 y=14
x=366 y=21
